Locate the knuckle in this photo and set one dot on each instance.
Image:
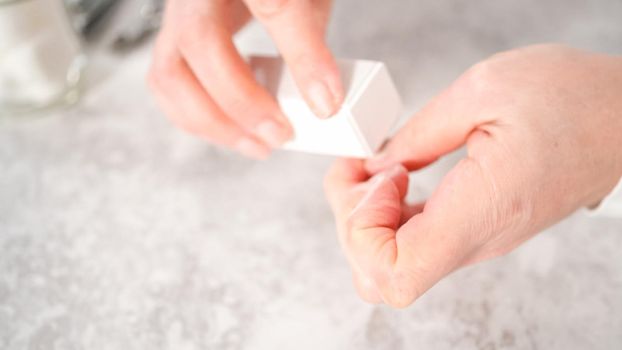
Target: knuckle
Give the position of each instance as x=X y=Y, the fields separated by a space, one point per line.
x=198 y=31
x=244 y=107
x=269 y=8
x=482 y=78
x=303 y=59
x=492 y=74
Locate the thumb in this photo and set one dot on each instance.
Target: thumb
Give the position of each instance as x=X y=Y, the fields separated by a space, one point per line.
x=404 y=262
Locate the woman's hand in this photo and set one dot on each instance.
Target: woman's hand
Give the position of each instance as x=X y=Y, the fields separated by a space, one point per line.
x=543 y=130
x=205 y=87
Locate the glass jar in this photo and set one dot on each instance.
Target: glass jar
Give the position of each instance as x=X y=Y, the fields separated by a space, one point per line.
x=41 y=59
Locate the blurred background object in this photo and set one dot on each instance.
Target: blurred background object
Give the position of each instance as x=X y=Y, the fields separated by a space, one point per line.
x=43 y=44
x=136 y=32
x=41 y=59
x=88 y=15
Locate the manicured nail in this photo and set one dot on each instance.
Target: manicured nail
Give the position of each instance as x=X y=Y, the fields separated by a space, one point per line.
x=252 y=149
x=272 y=133
x=322 y=101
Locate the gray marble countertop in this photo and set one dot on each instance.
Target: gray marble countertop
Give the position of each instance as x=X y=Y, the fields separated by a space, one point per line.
x=118 y=231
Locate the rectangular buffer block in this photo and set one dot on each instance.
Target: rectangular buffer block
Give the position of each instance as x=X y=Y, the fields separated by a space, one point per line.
x=371 y=108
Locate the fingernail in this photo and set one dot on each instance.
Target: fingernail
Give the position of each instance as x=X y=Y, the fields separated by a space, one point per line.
x=378 y=162
x=396 y=170
x=252 y=149
x=322 y=101
x=272 y=133
x=376 y=180
x=372 y=186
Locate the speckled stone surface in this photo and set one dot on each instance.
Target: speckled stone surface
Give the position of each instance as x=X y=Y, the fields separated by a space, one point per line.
x=117 y=231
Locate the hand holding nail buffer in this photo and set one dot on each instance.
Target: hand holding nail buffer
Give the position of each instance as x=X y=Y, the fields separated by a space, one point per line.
x=371 y=107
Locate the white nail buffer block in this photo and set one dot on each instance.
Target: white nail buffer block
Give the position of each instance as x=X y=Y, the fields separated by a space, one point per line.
x=371 y=107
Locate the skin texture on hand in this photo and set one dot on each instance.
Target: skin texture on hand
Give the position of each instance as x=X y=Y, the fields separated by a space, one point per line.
x=204 y=85
x=543 y=130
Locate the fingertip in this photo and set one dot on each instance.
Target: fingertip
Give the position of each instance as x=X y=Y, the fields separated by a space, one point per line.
x=379 y=162
x=321 y=99
x=272 y=133
x=250 y=148
x=366 y=289
x=349 y=169
x=399 y=175
x=283 y=120
x=342 y=175
x=324 y=91
x=400 y=291
x=380 y=204
x=396 y=170
x=396 y=174
x=393 y=173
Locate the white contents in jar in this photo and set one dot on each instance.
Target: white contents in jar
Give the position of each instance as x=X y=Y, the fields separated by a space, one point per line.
x=38 y=53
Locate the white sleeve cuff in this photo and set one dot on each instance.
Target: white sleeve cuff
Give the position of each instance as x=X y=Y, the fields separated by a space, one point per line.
x=610 y=206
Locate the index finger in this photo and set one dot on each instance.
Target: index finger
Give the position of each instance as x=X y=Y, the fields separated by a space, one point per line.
x=298 y=28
